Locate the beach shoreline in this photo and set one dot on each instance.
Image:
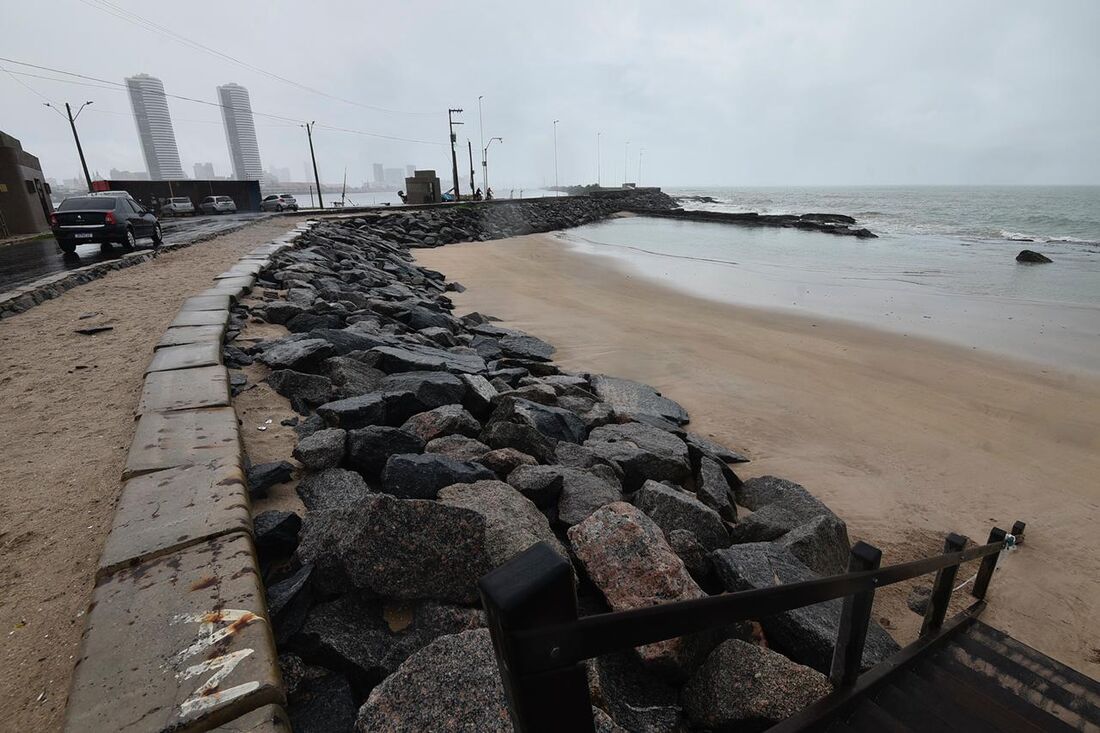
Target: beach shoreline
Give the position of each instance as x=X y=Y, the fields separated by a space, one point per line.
x=904 y=437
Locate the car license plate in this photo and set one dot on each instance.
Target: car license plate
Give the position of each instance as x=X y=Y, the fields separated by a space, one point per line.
x=83 y=235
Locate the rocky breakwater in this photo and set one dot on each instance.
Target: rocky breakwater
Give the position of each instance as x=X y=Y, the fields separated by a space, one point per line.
x=435 y=447
x=839 y=224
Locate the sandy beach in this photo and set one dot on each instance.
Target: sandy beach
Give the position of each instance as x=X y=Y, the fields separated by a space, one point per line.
x=905 y=438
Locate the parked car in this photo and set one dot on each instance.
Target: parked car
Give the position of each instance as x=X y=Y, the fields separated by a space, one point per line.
x=177 y=206
x=218 y=205
x=279 y=202
x=104 y=220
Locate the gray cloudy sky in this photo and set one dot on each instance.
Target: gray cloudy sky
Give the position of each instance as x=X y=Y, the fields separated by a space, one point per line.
x=722 y=93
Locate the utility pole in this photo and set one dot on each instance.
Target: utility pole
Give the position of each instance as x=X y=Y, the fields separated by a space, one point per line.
x=79 y=149
x=626 y=159
x=316 y=178
x=556 y=191
x=470 y=150
x=598 y=179
x=485 y=161
x=454 y=156
x=641 y=151
x=481 y=139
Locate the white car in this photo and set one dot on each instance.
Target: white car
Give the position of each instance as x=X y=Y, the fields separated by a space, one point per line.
x=218 y=205
x=177 y=206
x=279 y=202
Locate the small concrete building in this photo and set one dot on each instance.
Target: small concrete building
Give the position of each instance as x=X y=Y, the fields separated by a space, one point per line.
x=25 y=205
x=422 y=188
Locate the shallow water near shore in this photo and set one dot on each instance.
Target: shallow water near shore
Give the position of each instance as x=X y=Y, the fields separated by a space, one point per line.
x=969 y=293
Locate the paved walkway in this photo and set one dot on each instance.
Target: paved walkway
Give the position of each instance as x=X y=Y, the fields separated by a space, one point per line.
x=69 y=404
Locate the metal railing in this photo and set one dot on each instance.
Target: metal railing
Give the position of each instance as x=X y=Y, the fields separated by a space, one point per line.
x=531 y=605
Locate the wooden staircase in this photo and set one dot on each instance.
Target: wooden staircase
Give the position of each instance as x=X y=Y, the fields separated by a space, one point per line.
x=979 y=680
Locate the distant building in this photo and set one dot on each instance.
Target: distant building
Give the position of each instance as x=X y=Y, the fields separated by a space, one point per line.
x=117 y=175
x=394 y=176
x=25 y=205
x=204 y=171
x=410 y=171
x=379 y=173
x=154 y=126
x=240 y=132
x=282 y=175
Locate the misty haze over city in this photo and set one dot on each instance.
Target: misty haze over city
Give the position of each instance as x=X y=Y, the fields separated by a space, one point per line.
x=719 y=94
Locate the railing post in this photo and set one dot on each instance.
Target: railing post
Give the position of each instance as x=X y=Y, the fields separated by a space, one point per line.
x=989 y=564
x=534 y=589
x=1018 y=528
x=854 y=619
x=941 y=589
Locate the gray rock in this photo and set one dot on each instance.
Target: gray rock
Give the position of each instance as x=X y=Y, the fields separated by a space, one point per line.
x=521 y=437
x=302 y=355
x=279 y=312
x=541 y=484
x=356 y=412
x=745 y=687
x=806 y=635
x=765 y=490
x=416 y=357
x=918 y=598
x=369 y=448
x=429 y=389
x=696 y=557
x=821 y=544
x=627 y=397
x=1032 y=257
x=263 y=476
x=305 y=391
x=382 y=545
x=322 y=704
x=512 y=522
x=502 y=461
x=276 y=534
x=635 y=699
x=422 y=476
x=441 y=421
x=578 y=456
x=347 y=340
x=713 y=488
x=527 y=347
x=642 y=452
x=458 y=447
x=553 y=422
x=712 y=449
x=400 y=397
x=321 y=450
x=675 y=509
x=350 y=377
x=480 y=395
x=583 y=492
x=332 y=489
x=288 y=602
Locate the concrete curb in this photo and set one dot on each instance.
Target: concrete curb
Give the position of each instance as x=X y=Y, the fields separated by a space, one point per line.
x=25 y=297
x=177 y=637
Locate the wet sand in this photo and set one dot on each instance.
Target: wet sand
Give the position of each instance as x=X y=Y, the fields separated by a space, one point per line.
x=905 y=438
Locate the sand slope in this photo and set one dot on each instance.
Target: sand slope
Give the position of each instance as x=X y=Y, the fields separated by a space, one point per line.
x=905 y=438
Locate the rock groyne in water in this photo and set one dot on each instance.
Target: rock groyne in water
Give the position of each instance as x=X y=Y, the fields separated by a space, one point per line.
x=434 y=447
x=839 y=224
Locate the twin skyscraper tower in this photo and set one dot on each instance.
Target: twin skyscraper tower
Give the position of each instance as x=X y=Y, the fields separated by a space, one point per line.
x=158 y=138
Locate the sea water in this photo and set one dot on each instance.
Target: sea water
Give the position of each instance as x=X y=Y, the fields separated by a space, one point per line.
x=943 y=265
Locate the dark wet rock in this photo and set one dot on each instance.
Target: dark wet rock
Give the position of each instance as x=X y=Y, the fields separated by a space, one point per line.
x=350 y=377
x=323 y=704
x=713 y=487
x=745 y=687
x=543 y=394
x=635 y=699
x=696 y=557
x=301 y=356
x=806 y=635
x=541 y=484
x=233 y=356
x=414 y=358
x=398 y=548
x=821 y=544
x=626 y=556
x=428 y=389
x=627 y=397
x=762 y=491
x=309 y=426
x=674 y=509
x=553 y=422
x=369 y=448
x=441 y=421
x=512 y=522
x=305 y=322
x=712 y=449
x=458 y=447
x=502 y=461
x=280 y=312
x=578 y=456
x=765 y=524
x=332 y=489
x=480 y=395
x=321 y=450
x=420 y=317
x=526 y=347
x=450 y=685
x=584 y=491
x=353 y=339
x=487 y=347
x=422 y=476
x=305 y=391
x=276 y=534
x=400 y=397
x=440 y=336
x=1030 y=256
x=262 y=476
x=288 y=602
x=642 y=452
x=523 y=438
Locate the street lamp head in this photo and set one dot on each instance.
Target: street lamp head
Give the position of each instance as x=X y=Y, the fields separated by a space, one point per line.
x=89 y=102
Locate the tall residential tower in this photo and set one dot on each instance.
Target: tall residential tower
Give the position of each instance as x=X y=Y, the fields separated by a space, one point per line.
x=240 y=132
x=154 y=126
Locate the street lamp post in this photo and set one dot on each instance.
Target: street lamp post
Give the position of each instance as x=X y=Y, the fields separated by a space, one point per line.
x=626 y=159
x=485 y=161
x=598 y=179
x=481 y=137
x=313 y=157
x=641 y=152
x=454 y=157
x=556 y=191
x=79 y=149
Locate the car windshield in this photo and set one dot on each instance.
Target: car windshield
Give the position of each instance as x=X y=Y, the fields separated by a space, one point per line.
x=181 y=201
x=225 y=199
x=88 y=203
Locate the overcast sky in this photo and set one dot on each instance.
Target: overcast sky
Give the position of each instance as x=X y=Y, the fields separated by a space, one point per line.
x=722 y=93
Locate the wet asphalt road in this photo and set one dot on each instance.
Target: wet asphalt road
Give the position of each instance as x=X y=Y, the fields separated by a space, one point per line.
x=25 y=262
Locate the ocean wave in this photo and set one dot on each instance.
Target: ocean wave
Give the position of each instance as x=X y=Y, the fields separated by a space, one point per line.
x=1023 y=237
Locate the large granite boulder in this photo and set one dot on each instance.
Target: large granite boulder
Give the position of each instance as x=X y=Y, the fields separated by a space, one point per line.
x=522 y=438
x=512 y=522
x=583 y=492
x=636 y=700
x=502 y=461
x=821 y=544
x=332 y=488
x=452 y=684
x=417 y=357
x=709 y=448
x=714 y=488
x=1032 y=257
x=642 y=452
x=807 y=635
x=674 y=509
x=553 y=422
x=421 y=476
x=321 y=450
x=626 y=556
x=526 y=347
x=745 y=687
x=446 y=420
x=400 y=396
x=398 y=548
x=321 y=703
x=305 y=391
x=297 y=354
x=351 y=377
x=458 y=447
x=369 y=448
x=630 y=398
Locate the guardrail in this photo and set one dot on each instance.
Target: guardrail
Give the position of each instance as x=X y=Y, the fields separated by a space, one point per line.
x=540 y=642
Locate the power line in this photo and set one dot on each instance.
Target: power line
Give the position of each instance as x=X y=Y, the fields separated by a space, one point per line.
x=31 y=89
x=132 y=17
